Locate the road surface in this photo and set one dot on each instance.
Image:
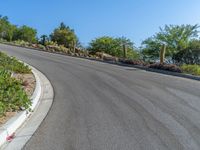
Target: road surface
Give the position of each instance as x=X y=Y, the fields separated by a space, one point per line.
x=100 y=106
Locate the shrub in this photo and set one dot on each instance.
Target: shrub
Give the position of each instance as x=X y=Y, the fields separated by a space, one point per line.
x=21 y=43
x=113 y=46
x=188 y=56
x=12 y=95
x=191 y=69
x=39 y=46
x=12 y=64
x=167 y=67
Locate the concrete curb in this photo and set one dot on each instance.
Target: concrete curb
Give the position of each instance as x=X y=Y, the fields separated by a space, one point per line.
x=16 y=125
x=182 y=75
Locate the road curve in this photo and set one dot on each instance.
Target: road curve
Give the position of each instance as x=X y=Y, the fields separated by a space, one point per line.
x=100 y=106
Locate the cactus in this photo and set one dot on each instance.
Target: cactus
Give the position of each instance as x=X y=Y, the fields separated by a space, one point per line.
x=74 y=46
x=125 y=51
x=162 y=54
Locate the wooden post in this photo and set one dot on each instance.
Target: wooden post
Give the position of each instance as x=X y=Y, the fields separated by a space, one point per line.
x=162 y=54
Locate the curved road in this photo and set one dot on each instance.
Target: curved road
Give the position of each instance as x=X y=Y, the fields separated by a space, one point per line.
x=100 y=106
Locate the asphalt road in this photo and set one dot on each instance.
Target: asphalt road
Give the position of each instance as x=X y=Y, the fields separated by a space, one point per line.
x=99 y=106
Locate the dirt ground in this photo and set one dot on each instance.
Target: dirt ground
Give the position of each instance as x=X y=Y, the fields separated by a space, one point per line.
x=28 y=82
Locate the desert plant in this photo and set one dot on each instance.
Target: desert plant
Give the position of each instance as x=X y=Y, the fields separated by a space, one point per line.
x=162 y=54
x=12 y=64
x=12 y=95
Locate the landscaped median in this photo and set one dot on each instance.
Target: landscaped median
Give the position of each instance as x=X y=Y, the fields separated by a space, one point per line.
x=19 y=93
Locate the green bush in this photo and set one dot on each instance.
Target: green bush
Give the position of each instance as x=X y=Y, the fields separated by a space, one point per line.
x=188 y=56
x=41 y=47
x=191 y=69
x=113 y=46
x=21 y=43
x=12 y=95
x=12 y=64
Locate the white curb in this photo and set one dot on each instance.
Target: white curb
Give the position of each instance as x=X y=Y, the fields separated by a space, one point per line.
x=15 y=122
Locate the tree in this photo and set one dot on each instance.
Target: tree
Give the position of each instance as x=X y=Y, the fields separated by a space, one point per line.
x=131 y=50
x=175 y=37
x=151 y=49
x=43 y=39
x=189 y=55
x=6 y=29
x=10 y=32
x=103 y=44
x=113 y=46
x=63 y=26
x=3 y=25
x=194 y=44
x=26 y=33
x=63 y=35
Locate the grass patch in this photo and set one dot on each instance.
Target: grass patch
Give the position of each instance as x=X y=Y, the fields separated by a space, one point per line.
x=191 y=69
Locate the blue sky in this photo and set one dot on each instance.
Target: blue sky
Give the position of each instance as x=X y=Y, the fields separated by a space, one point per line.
x=135 y=19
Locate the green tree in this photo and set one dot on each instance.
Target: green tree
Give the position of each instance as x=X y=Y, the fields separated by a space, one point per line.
x=26 y=33
x=103 y=44
x=189 y=55
x=175 y=37
x=150 y=49
x=63 y=26
x=194 y=44
x=113 y=46
x=44 y=39
x=3 y=25
x=6 y=29
x=64 y=35
x=11 y=29
x=131 y=50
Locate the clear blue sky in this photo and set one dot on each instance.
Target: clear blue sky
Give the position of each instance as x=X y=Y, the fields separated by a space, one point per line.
x=135 y=19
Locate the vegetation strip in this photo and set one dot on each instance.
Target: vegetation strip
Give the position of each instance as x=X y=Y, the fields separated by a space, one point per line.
x=12 y=94
x=9 y=128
